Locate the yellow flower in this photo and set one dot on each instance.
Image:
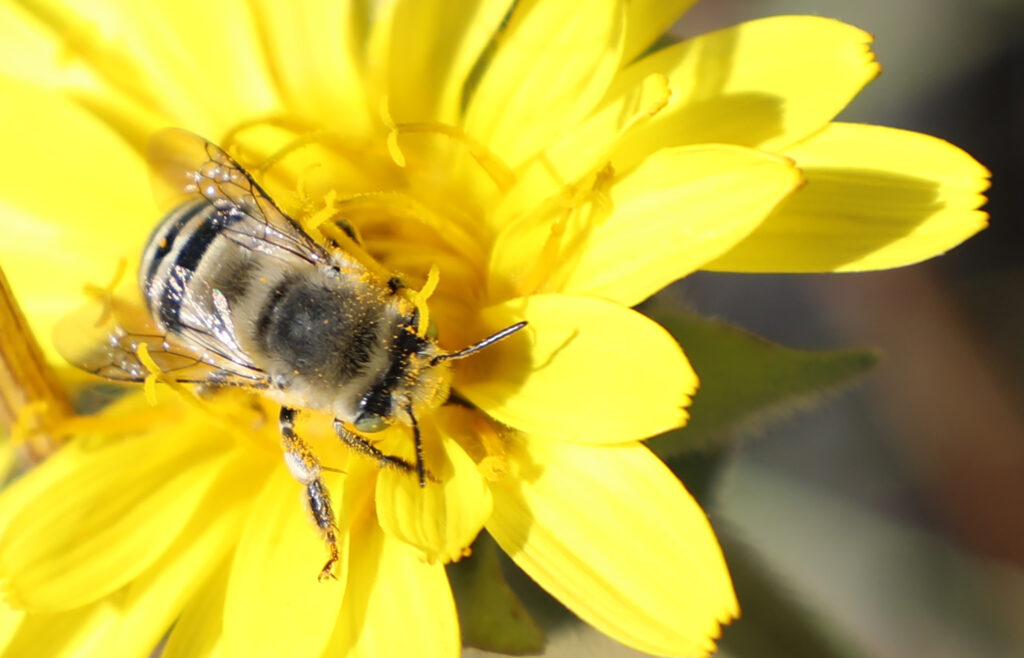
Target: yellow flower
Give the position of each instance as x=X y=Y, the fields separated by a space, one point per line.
x=551 y=171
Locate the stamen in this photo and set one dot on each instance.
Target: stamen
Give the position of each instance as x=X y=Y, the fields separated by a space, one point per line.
x=230 y=422
x=651 y=98
x=494 y=464
x=230 y=139
x=29 y=422
x=156 y=374
x=106 y=293
x=588 y=204
x=328 y=211
x=502 y=175
x=306 y=136
x=305 y=200
x=149 y=386
x=391 y=206
x=548 y=258
x=419 y=298
x=322 y=222
x=492 y=165
x=392 y=140
x=289 y=148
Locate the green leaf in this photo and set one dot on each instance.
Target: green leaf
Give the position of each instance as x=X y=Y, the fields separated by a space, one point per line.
x=491 y=616
x=773 y=622
x=747 y=380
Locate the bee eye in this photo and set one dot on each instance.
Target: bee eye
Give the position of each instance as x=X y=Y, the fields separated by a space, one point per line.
x=370 y=423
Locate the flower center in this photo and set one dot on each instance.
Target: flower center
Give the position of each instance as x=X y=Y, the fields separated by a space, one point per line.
x=404 y=201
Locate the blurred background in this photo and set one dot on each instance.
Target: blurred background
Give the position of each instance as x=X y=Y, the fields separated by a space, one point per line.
x=891 y=515
x=896 y=510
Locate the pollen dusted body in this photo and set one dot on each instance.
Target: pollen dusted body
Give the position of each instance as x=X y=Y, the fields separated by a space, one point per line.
x=240 y=295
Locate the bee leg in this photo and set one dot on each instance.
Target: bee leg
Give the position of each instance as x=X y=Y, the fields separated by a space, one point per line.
x=319 y=500
x=364 y=447
x=305 y=467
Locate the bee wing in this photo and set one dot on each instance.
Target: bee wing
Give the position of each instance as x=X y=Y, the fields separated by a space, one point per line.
x=185 y=167
x=103 y=338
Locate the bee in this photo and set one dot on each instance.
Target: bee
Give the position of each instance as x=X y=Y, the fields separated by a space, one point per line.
x=238 y=294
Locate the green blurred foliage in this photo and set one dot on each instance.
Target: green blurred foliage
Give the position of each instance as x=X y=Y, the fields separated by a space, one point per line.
x=747 y=380
x=491 y=616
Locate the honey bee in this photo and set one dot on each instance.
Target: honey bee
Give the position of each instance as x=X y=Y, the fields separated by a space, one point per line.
x=238 y=294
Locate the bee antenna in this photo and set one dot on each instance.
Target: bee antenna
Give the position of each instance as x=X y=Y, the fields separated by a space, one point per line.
x=476 y=347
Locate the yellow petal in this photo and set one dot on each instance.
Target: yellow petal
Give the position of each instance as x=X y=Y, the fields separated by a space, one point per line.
x=875 y=198
x=76 y=632
x=567 y=167
x=274 y=604
x=396 y=605
x=443 y=518
x=678 y=210
x=313 y=51
x=196 y=634
x=763 y=84
x=552 y=64
x=197 y=73
x=51 y=49
x=422 y=53
x=76 y=49
x=10 y=622
x=612 y=534
x=31 y=52
x=583 y=370
x=151 y=602
x=91 y=519
x=83 y=218
x=646 y=20
x=193 y=60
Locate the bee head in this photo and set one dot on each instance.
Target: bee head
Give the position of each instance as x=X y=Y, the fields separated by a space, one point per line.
x=404 y=382
x=413 y=376
x=375 y=408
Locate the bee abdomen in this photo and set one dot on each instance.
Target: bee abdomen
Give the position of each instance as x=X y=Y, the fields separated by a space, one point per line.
x=164 y=243
x=176 y=250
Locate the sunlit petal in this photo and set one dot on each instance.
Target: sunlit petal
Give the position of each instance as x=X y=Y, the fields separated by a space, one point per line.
x=396 y=605
x=52 y=204
x=274 y=604
x=583 y=370
x=75 y=632
x=738 y=86
x=442 y=518
x=424 y=52
x=197 y=632
x=647 y=20
x=553 y=64
x=312 y=49
x=658 y=583
x=875 y=198
x=151 y=602
x=101 y=522
x=662 y=221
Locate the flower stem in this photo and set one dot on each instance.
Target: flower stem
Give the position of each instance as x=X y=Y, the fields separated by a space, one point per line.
x=31 y=398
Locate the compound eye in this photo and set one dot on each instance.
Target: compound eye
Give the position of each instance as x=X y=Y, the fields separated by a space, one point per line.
x=370 y=423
